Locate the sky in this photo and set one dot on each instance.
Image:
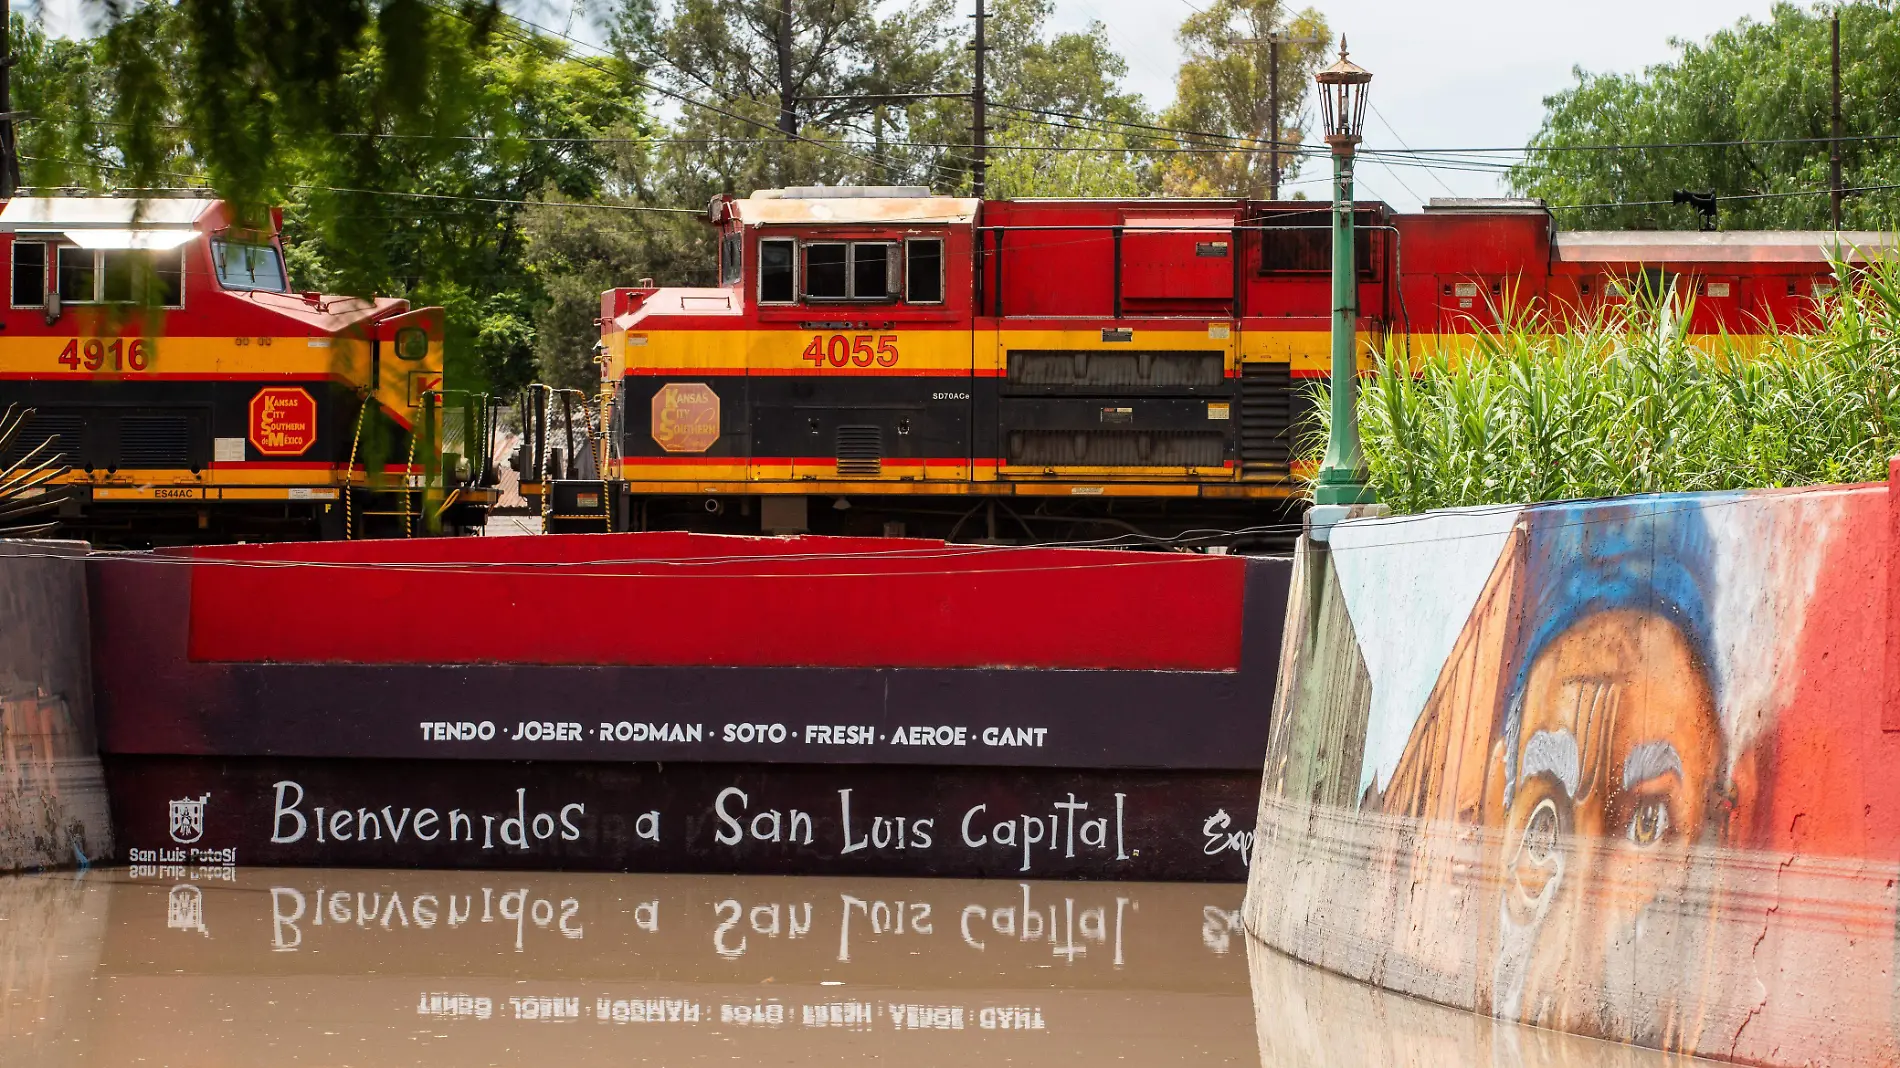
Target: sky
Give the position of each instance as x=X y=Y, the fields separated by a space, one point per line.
x=1470 y=73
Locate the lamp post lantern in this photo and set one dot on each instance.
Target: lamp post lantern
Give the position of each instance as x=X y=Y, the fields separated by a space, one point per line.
x=1342 y=102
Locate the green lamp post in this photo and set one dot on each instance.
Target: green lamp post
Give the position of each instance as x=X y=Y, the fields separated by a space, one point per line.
x=1342 y=101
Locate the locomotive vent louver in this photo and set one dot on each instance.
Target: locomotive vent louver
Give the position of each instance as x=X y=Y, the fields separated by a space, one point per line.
x=67 y=428
x=1269 y=411
x=154 y=440
x=860 y=451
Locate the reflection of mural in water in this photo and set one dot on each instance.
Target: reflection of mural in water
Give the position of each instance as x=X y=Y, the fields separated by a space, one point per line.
x=1623 y=771
x=52 y=794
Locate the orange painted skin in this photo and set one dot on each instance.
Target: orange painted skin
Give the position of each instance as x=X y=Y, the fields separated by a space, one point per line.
x=1617 y=757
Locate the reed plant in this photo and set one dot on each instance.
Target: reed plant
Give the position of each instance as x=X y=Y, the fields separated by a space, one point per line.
x=1626 y=400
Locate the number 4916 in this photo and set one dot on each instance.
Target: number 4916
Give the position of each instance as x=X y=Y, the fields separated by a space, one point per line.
x=97 y=354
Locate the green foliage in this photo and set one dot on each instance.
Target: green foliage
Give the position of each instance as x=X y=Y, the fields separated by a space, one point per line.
x=1223 y=88
x=1076 y=74
x=1629 y=403
x=1757 y=82
x=406 y=141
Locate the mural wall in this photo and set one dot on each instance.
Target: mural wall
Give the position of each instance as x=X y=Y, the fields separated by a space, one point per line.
x=1617 y=767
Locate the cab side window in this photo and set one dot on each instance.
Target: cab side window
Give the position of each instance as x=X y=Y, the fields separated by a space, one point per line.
x=29 y=274
x=778 y=283
x=116 y=276
x=873 y=270
x=827 y=270
x=923 y=270
x=851 y=270
x=133 y=277
x=77 y=279
x=731 y=249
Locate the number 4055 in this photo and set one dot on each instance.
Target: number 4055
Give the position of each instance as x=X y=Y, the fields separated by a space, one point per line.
x=840 y=351
x=97 y=354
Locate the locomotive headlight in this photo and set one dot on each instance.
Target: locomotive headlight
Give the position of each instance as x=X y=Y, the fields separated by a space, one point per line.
x=412 y=343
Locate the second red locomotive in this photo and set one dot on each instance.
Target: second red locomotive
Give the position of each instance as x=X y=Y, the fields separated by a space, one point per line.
x=886 y=360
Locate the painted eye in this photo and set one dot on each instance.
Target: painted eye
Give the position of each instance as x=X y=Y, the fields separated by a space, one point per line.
x=1649 y=822
x=1540 y=834
x=1538 y=865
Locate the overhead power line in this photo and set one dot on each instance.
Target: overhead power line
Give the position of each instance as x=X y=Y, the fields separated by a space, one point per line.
x=457 y=197
x=1728 y=196
x=1645 y=146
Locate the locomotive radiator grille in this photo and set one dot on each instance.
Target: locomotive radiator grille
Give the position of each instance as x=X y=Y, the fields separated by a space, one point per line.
x=1269 y=403
x=1098 y=448
x=1060 y=370
x=860 y=451
x=155 y=441
x=68 y=428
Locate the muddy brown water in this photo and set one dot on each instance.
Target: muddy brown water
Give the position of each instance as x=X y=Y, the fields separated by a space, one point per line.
x=262 y=967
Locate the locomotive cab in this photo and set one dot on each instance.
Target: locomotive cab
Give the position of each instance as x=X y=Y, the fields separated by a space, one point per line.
x=194 y=396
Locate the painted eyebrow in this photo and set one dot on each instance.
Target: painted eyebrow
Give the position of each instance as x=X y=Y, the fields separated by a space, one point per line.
x=1649 y=760
x=1553 y=753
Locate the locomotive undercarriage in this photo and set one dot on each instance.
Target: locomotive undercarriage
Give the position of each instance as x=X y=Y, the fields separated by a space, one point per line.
x=147 y=525
x=1242 y=525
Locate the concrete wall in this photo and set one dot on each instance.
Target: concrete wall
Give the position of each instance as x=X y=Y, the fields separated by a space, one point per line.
x=1629 y=769
x=52 y=794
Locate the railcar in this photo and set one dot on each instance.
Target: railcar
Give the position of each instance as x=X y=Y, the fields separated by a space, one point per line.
x=882 y=360
x=194 y=396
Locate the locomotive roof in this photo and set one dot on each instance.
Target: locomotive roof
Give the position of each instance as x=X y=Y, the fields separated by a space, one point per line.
x=1723 y=246
x=109 y=222
x=884 y=205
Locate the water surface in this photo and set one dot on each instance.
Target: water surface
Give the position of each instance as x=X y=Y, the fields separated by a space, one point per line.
x=263 y=967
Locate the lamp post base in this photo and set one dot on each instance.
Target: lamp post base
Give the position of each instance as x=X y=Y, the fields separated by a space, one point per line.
x=1343 y=492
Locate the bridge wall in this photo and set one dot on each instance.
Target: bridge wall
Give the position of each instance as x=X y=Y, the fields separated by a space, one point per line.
x=1623 y=768
x=52 y=793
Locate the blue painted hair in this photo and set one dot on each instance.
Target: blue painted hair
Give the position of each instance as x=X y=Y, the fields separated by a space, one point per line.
x=1648 y=553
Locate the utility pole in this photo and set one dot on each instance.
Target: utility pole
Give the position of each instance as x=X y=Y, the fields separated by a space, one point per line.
x=9 y=147
x=787 y=106
x=979 y=100
x=1273 y=110
x=1275 y=130
x=1834 y=144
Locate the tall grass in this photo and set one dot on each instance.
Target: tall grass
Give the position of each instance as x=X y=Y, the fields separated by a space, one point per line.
x=1627 y=402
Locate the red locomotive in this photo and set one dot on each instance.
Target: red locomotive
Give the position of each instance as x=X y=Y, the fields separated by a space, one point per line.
x=884 y=360
x=195 y=397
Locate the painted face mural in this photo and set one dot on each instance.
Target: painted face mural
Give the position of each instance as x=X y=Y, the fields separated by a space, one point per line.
x=1604 y=763
x=1610 y=750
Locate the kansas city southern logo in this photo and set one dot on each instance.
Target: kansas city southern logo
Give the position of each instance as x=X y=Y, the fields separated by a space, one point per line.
x=188 y=819
x=283 y=421
x=685 y=417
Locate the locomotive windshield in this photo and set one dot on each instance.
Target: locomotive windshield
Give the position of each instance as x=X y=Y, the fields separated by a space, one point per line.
x=248 y=265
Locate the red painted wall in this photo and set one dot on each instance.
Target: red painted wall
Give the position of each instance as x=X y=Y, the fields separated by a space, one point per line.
x=682 y=599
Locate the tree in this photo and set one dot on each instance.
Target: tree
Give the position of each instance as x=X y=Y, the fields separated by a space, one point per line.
x=577 y=252
x=434 y=205
x=1223 y=94
x=404 y=140
x=1045 y=88
x=769 y=89
x=1761 y=89
x=1058 y=97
